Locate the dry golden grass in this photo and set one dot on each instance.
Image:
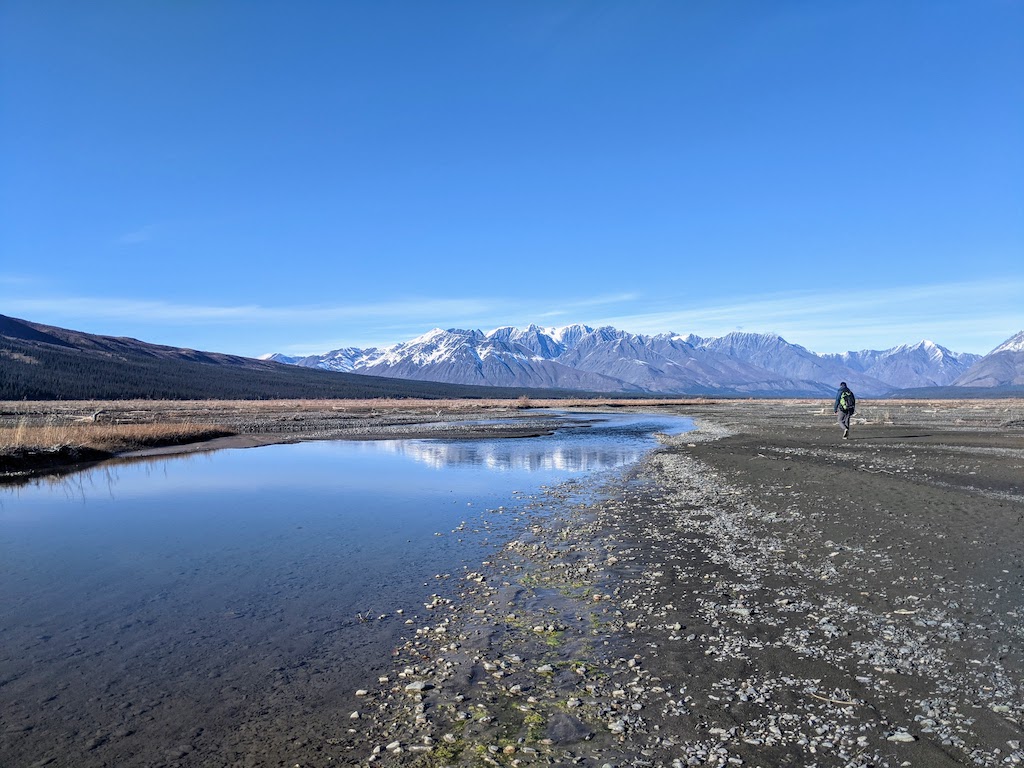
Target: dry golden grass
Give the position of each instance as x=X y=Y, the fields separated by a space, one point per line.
x=207 y=411
x=103 y=437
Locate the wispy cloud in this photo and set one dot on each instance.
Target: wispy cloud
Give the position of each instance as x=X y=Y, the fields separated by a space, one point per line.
x=379 y=323
x=431 y=311
x=973 y=312
x=163 y=311
x=17 y=280
x=571 y=308
x=969 y=316
x=137 y=236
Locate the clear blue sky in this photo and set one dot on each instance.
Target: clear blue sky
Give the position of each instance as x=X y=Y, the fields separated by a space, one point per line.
x=252 y=177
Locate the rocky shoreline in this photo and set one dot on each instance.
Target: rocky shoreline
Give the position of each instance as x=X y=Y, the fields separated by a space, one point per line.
x=751 y=594
x=758 y=592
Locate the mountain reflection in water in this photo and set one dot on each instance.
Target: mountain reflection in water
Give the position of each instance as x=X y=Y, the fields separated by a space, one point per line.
x=602 y=441
x=199 y=599
x=509 y=456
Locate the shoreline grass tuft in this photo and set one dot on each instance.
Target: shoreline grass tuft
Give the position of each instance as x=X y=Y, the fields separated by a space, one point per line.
x=109 y=438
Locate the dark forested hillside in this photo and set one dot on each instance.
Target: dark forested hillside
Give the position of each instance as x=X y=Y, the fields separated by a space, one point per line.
x=39 y=362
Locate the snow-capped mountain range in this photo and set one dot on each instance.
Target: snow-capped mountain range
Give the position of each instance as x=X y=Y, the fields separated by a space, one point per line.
x=611 y=360
x=1002 y=367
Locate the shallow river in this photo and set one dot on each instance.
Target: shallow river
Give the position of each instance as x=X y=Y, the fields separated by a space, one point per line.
x=221 y=608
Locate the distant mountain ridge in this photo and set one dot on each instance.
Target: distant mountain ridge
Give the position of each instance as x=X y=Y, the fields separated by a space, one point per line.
x=41 y=362
x=607 y=359
x=1002 y=367
x=924 y=364
x=46 y=362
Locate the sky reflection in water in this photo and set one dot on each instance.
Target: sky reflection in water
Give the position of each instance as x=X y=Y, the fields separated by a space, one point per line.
x=234 y=565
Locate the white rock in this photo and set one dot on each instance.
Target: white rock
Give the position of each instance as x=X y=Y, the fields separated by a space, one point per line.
x=902 y=736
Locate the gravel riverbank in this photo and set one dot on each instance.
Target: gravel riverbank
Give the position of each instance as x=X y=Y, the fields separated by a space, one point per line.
x=760 y=592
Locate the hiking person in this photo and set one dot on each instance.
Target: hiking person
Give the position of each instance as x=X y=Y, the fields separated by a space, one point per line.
x=845 y=405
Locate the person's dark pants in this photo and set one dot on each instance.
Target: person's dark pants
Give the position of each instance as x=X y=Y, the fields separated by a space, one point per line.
x=844 y=419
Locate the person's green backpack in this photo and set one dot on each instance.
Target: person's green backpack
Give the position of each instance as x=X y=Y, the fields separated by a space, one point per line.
x=847 y=401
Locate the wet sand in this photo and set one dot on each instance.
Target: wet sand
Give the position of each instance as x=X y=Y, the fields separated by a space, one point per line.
x=760 y=592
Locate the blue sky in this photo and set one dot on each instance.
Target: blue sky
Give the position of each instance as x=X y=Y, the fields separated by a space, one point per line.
x=296 y=177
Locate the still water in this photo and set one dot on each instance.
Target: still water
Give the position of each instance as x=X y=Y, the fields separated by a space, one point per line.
x=212 y=607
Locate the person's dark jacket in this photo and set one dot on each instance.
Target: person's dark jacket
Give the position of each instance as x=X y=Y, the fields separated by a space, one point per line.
x=839 y=396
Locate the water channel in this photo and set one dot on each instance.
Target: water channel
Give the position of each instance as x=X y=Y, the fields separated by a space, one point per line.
x=207 y=609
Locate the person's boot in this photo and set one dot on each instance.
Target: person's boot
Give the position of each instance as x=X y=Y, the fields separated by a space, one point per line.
x=846 y=433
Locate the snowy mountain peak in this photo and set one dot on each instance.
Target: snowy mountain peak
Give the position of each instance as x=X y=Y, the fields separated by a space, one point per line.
x=929 y=348
x=744 y=343
x=749 y=335
x=1013 y=344
x=503 y=333
x=690 y=338
x=569 y=335
x=432 y=335
x=1002 y=367
x=933 y=350
x=608 y=359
